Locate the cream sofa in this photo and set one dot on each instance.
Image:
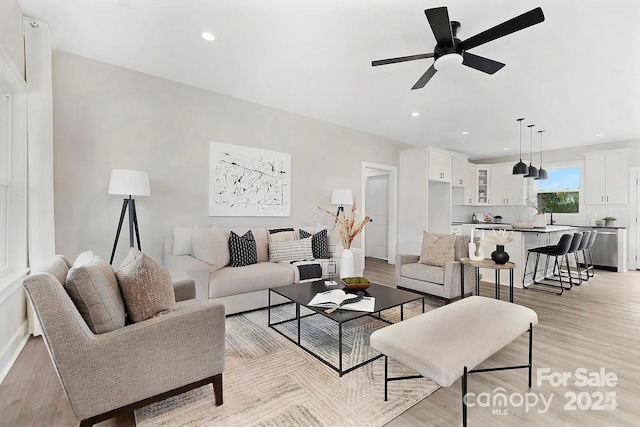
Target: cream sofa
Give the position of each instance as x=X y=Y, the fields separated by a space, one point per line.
x=442 y=283
x=243 y=288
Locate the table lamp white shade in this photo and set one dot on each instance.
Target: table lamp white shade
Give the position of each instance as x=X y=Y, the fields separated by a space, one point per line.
x=341 y=197
x=129 y=183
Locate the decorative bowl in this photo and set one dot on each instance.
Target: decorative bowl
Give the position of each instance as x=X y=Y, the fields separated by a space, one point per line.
x=522 y=225
x=355 y=283
x=600 y=222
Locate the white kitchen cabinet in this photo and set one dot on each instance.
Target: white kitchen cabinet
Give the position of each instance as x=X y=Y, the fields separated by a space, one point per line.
x=440 y=165
x=470 y=186
x=482 y=185
x=606 y=178
x=460 y=166
x=504 y=187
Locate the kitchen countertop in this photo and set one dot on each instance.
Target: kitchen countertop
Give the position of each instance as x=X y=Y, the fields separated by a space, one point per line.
x=500 y=226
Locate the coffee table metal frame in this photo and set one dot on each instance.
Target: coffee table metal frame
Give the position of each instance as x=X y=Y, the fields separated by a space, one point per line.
x=400 y=297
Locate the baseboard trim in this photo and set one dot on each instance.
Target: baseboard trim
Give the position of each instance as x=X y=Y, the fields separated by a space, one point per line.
x=14 y=348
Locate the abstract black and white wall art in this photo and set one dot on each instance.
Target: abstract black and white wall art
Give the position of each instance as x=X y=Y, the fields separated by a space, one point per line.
x=246 y=181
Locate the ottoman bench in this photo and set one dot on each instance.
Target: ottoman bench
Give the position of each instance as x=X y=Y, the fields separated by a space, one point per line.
x=449 y=342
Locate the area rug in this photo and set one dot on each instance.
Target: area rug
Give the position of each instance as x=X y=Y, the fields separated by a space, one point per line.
x=269 y=381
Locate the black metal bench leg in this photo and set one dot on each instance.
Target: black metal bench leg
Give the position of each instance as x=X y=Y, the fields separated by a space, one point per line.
x=464 y=398
x=530 y=351
x=386 y=376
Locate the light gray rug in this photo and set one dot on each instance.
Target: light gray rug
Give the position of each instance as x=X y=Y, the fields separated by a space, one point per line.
x=269 y=381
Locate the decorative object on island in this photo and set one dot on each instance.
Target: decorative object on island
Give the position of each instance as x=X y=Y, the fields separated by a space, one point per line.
x=128 y=183
x=520 y=168
x=539 y=220
x=609 y=221
x=542 y=173
x=356 y=283
x=476 y=252
x=600 y=222
x=347 y=229
x=522 y=225
x=499 y=238
x=533 y=171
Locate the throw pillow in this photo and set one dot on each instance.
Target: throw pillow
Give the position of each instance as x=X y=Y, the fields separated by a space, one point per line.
x=211 y=246
x=319 y=243
x=282 y=235
x=242 y=249
x=93 y=288
x=437 y=249
x=182 y=240
x=297 y=250
x=146 y=287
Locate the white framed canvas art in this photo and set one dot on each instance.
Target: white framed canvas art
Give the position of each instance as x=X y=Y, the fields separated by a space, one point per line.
x=246 y=181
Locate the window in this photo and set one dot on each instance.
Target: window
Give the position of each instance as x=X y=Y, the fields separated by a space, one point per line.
x=5 y=173
x=560 y=193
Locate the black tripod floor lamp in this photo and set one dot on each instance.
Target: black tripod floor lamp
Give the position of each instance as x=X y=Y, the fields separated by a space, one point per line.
x=128 y=183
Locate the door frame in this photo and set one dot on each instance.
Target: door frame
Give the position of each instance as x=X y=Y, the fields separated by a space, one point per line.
x=634 y=213
x=392 y=231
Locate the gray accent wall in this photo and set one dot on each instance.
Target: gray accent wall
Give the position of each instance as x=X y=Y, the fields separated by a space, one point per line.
x=106 y=117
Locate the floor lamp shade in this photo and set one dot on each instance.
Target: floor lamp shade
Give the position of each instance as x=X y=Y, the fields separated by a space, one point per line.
x=129 y=183
x=341 y=197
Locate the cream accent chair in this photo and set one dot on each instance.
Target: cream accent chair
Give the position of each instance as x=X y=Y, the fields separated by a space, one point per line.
x=108 y=374
x=441 y=283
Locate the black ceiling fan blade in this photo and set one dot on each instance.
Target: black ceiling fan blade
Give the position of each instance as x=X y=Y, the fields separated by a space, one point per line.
x=518 y=23
x=425 y=78
x=401 y=59
x=481 y=63
x=440 y=25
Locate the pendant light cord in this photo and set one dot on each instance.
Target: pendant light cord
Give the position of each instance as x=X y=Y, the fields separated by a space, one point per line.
x=531 y=148
x=540 y=132
x=520 y=120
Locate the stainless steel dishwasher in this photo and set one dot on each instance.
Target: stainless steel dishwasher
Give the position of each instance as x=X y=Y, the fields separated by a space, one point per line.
x=605 y=248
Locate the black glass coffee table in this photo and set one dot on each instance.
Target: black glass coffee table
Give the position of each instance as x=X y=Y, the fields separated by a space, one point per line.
x=301 y=293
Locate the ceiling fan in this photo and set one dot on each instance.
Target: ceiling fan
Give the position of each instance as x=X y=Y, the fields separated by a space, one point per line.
x=450 y=49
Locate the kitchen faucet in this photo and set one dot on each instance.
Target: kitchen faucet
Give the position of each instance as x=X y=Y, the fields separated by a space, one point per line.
x=551 y=221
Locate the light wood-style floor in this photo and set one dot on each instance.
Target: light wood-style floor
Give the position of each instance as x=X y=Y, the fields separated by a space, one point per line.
x=595 y=326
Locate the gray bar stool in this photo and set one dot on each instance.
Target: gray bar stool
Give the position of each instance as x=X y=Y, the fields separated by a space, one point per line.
x=581 y=248
x=588 y=260
x=558 y=251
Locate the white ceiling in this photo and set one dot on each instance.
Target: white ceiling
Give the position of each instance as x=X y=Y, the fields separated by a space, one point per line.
x=576 y=74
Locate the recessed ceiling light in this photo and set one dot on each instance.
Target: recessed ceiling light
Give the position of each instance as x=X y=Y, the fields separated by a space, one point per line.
x=465 y=133
x=208 y=37
x=599 y=134
x=415 y=114
x=506 y=148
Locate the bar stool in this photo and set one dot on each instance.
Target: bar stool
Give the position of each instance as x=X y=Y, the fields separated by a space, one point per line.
x=581 y=248
x=587 y=251
x=573 y=249
x=559 y=250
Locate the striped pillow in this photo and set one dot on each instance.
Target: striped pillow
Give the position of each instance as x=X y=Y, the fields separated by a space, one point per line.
x=288 y=251
x=242 y=249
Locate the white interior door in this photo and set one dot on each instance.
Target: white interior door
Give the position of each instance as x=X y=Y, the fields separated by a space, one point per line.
x=377 y=241
x=635 y=222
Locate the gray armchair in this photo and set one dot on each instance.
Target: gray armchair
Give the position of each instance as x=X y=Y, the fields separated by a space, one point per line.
x=105 y=375
x=442 y=283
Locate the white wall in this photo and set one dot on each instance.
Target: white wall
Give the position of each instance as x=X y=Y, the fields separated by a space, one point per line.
x=107 y=117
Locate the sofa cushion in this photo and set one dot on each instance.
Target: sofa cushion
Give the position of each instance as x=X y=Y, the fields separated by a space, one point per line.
x=260 y=235
x=281 y=235
x=242 y=249
x=58 y=266
x=210 y=245
x=254 y=277
x=319 y=243
x=146 y=286
x=295 y=250
x=93 y=288
x=182 y=240
x=437 y=249
x=424 y=272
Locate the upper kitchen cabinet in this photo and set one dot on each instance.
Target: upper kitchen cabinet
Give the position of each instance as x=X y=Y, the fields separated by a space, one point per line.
x=504 y=187
x=606 y=179
x=482 y=184
x=460 y=171
x=440 y=165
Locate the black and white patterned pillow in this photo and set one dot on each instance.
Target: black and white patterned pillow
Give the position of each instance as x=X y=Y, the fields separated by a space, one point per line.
x=281 y=234
x=297 y=250
x=242 y=249
x=319 y=243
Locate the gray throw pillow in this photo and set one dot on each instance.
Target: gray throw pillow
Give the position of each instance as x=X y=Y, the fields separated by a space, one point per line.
x=93 y=288
x=146 y=287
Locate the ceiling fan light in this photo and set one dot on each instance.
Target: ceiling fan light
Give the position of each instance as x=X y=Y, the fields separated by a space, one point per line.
x=520 y=168
x=533 y=172
x=448 y=62
x=542 y=174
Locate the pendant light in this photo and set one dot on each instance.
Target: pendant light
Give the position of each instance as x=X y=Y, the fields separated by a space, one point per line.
x=542 y=174
x=533 y=171
x=520 y=168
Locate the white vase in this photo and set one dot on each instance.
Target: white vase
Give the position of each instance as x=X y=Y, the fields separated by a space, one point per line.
x=539 y=220
x=476 y=255
x=347 y=268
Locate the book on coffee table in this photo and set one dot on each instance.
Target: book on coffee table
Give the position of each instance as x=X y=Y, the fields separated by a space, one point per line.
x=334 y=297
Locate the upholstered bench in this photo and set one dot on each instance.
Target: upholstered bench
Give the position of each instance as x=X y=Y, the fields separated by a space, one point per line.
x=449 y=342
